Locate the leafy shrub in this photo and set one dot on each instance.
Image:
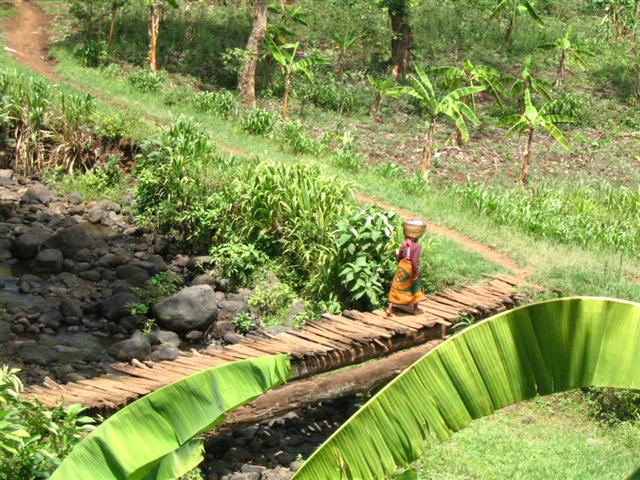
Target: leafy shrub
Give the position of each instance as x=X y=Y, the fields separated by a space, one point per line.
x=365 y=261
x=295 y=136
x=173 y=191
x=243 y=322
x=159 y=286
x=222 y=103
x=145 y=81
x=178 y=96
x=34 y=438
x=611 y=405
x=105 y=176
x=92 y=53
x=237 y=261
x=259 y=121
x=570 y=104
x=112 y=70
x=387 y=170
x=416 y=184
x=346 y=155
x=273 y=301
x=326 y=93
x=112 y=125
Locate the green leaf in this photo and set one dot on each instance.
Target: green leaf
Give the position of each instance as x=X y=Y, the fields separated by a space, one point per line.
x=537 y=349
x=156 y=428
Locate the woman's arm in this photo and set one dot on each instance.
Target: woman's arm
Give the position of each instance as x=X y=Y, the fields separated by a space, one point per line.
x=415 y=260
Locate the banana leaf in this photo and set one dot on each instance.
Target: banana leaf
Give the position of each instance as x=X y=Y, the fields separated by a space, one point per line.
x=536 y=349
x=153 y=437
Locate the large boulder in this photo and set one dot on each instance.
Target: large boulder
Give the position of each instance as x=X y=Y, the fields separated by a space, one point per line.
x=27 y=245
x=164 y=337
x=115 y=307
x=137 y=346
x=5 y=332
x=163 y=352
x=70 y=240
x=37 y=193
x=192 y=308
x=48 y=261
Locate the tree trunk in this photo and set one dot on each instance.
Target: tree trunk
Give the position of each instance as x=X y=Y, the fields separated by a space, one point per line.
x=337 y=70
x=401 y=39
x=377 y=105
x=526 y=158
x=636 y=50
x=247 y=72
x=427 y=151
x=112 y=26
x=509 y=32
x=285 y=99
x=154 y=25
x=561 y=69
x=638 y=75
x=459 y=139
x=295 y=395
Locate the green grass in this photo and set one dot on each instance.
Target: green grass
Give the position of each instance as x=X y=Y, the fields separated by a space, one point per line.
x=546 y=438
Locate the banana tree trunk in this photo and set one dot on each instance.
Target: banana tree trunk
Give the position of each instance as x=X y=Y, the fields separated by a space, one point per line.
x=401 y=38
x=459 y=139
x=377 y=105
x=112 y=26
x=247 y=72
x=562 y=69
x=509 y=32
x=285 y=100
x=427 y=150
x=526 y=158
x=154 y=26
x=337 y=70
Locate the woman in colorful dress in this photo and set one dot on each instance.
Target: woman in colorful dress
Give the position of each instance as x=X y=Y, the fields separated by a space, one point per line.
x=405 y=287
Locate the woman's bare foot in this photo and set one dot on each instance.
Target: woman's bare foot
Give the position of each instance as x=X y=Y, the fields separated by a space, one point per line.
x=389 y=311
x=417 y=310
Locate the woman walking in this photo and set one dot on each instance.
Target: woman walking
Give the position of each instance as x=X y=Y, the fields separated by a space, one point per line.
x=405 y=287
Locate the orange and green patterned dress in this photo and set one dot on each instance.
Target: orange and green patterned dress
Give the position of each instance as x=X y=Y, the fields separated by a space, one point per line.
x=405 y=287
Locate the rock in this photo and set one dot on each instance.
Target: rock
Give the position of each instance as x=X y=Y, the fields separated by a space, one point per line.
x=221 y=328
x=245 y=476
x=27 y=245
x=137 y=347
x=192 y=308
x=5 y=176
x=297 y=307
x=164 y=337
x=200 y=261
x=109 y=261
x=70 y=240
x=230 y=308
x=294 y=440
x=5 y=332
x=223 y=284
x=163 y=352
x=5 y=254
x=95 y=214
x=48 y=260
x=83 y=255
x=115 y=307
x=74 y=198
x=37 y=193
x=248 y=468
x=232 y=338
x=204 y=279
x=32 y=352
x=90 y=275
x=279 y=473
x=282 y=457
x=194 y=335
x=51 y=319
x=125 y=272
x=70 y=308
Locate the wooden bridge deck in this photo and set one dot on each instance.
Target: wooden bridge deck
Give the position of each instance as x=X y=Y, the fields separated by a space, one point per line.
x=331 y=342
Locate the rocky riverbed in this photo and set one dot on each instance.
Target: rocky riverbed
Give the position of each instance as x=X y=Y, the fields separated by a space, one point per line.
x=68 y=271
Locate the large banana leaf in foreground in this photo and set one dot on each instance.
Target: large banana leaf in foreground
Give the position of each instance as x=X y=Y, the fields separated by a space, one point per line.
x=532 y=350
x=152 y=437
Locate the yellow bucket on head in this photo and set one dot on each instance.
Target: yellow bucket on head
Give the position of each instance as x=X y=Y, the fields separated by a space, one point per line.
x=414 y=228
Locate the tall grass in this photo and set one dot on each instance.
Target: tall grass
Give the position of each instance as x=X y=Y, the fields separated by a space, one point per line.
x=589 y=215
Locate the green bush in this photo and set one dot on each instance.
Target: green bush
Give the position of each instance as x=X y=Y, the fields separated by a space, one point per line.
x=259 y=121
x=273 y=300
x=294 y=135
x=346 y=155
x=146 y=81
x=222 y=103
x=34 y=438
x=416 y=184
x=112 y=125
x=388 y=170
x=326 y=93
x=92 y=53
x=237 y=261
x=243 y=322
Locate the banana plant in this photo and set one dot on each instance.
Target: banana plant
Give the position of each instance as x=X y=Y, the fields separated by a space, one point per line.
x=570 y=51
x=286 y=56
x=382 y=87
x=525 y=80
x=537 y=349
x=344 y=41
x=435 y=106
x=511 y=8
x=533 y=120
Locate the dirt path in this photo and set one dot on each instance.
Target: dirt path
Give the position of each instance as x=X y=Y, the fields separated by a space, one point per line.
x=26 y=37
x=27 y=41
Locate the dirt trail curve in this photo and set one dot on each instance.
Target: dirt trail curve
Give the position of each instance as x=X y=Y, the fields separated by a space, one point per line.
x=27 y=40
x=26 y=37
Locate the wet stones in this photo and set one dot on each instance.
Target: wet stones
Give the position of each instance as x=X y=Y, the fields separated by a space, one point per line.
x=28 y=244
x=48 y=260
x=192 y=308
x=38 y=193
x=70 y=240
x=137 y=347
x=115 y=307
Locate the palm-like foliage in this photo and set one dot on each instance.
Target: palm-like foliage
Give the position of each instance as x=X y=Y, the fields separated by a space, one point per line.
x=154 y=436
x=382 y=87
x=531 y=121
x=434 y=106
x=511 y=9
x=344 y=41
x=570 y=51
x=525 y=80
x=537 y=349
x=290 y=64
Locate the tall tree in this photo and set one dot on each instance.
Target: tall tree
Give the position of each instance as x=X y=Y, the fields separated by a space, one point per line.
x=155 y=16
x=401 y=35
x=247 y=72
